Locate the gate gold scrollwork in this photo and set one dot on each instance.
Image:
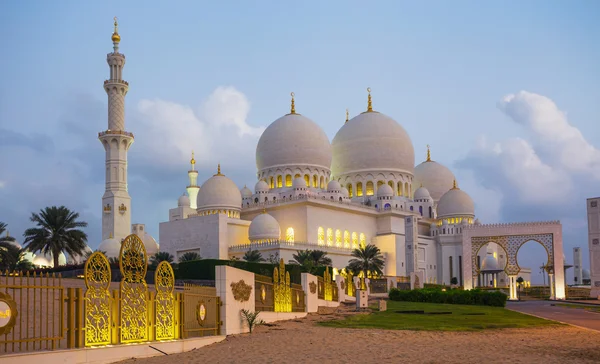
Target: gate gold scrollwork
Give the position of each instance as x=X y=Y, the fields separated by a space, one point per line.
x=327 y=283
x=97 y=300
x=282 y=289
x=164 y=280
x=133 y=263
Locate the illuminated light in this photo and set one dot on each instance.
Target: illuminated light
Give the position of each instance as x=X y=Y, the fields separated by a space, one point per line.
x=354 y=240
x=399 y=188
x=349 y=188
x=406 y=189
x=289 y=235
x=338 y=238
x=307 y=180
x=329 y=237
x=363 y=240
x=279 y=182
x=346 y=239
x=370 y=190
x=359 y=189
x=288 y=180
x=315 y=181
x=321 y=236
x=271 y=182
x=379 y=183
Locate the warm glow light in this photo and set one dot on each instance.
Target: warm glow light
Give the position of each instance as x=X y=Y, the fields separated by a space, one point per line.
x=289 y=235
x=321 y=236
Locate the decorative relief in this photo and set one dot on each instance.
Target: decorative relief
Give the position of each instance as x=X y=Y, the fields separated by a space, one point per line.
x=133 y=263
x=107 y=208
x=312 y=287
x=164 y=281
x=8 y=313
x=263 y=293
x=97 y=300
x=594 y=204
x=343 y=285
x=122 y=208
x=201 y=313
x=595 y=241
x=241 y=291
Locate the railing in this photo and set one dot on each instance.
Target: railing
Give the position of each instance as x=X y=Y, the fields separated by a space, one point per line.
x=578 y=293
x=378 y=286
x=320 y=288
x=201 y=311
x=284 y=243
x=114 y=132
x=264 y=295
x=334 y=292
x=277 y=294
x=298 y=304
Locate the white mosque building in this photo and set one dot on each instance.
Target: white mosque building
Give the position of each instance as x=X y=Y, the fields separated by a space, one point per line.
x=361 y=188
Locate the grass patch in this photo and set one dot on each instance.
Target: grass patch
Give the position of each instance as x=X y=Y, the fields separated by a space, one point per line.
x=580 y=307
x=463 y=318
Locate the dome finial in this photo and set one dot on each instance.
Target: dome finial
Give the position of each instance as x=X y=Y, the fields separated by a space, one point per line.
x=110 y=236
x=218 y=170
x=264 y=209
x=370 y=104
x=116 y=38
x=428 y=154
x=293 y=108
x=454 y=186
x=347 y=115
x=192 y=161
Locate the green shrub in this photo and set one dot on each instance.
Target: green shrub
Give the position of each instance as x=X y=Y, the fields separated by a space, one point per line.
x=205 y=269
x=454 y=296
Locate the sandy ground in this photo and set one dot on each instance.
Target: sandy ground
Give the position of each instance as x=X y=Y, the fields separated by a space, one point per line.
x=301 y=341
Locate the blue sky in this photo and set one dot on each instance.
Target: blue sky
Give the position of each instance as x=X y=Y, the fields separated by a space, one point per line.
x=439 y=68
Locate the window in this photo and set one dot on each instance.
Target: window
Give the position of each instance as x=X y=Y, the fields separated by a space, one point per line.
x=460 y=276
x=307 y=180
x=329 y=237
x=322 y=184
x=399 y=188
x=370 y=188
x=315 y=181
x=406 y=189
x=379 y=183
x=349 y=188
x=359 y=191
x=338 y=238
x=289 y=235
x=321 y=236
x=288 y=180
x=391 y=184
x=450 y=266
x=279 y=181
x=430 y=213
x=363 y=240
x=354 y=240
x=346 y=239
x=421 y=210
x=271 y=182
x=297 y=176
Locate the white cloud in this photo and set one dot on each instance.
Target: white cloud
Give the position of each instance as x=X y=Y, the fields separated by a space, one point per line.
x=217 y=132
x=552 y=132
x=2 y=184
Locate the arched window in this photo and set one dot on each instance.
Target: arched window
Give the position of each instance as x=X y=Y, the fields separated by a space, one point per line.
x=288 y=180
x=279 y=181
x=321 y=236
x=391 y=184
x=329 y=237
x=359 y=191
x=338 y=238
x=387 y=206
x=379 y=183
x=297 y=175
x=363 y=240
x=354 y=240
x=315 y=181
x=346 y=239
x=430 y=212
x=322 y=184
x=349 y=188
x=289 y=235
x=307 y=180
x=410 y=190
x=421 y=210
x=370 y=188
x=411 y=208
x=399 y=188
x=406 y=189
x=271 y=182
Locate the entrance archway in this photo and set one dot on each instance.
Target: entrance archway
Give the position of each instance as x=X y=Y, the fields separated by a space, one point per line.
x=511 y=237
x=490 y=263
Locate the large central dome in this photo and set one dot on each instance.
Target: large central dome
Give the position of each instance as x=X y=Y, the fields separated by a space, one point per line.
x=374 y=142
x=293 y=140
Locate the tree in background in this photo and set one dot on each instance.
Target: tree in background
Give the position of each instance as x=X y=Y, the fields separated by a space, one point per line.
x=57 y=231
x=310 y=260
x=161 y=257
x=367 y=259
x=253 y=256
x=189 y=256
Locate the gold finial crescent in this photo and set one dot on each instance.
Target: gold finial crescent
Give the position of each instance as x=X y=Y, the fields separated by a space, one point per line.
x=370 y=104
x=293 y=108
x=454 y=186
x=219 y=169
x=428 y=154
x=116 y=38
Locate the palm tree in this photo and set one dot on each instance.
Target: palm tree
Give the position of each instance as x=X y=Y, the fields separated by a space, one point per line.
x=367 y=259
x=160 y=257
x=6 y=238
x=253 y=256
x=320 y=258
x=57 y=231
x=310 y=260
x=301 y=257
x=189 y=256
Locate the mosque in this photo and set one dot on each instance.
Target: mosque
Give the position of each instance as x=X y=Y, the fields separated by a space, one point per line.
x=361 y=188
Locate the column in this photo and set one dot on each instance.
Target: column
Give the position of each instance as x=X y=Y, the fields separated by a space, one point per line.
x=512 y=280
x=551 y=282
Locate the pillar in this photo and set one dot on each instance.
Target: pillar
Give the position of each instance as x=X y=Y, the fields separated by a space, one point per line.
x=551 y=282
x=512 y=281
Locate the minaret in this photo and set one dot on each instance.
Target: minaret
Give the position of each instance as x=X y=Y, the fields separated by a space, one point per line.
x=193 y=188
x=116 y=203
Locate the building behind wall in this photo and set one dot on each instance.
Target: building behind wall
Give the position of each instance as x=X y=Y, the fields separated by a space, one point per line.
x=577 y=260
x=593 y=213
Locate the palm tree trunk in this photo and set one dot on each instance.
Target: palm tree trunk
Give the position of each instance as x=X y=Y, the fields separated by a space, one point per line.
x=55 y=258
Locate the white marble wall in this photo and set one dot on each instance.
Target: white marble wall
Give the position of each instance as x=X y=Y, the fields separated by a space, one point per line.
x=310 y=299
x=231 y=308
x=593 y=213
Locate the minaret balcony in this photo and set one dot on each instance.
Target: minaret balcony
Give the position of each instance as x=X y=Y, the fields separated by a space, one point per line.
x=116 y=81
x=114 y=132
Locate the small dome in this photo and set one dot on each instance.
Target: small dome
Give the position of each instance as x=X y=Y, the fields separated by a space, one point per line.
x=261 y=186
x=264 y=227
x=184 y=201
x=586 y=274
x=219 y=192
x=455 y=202
x=489 y=263
x=385 y=191
x=150 y=244
x=333 y=186
x=111 y=247
x=46 y=260
x=345 y=192
x=435 y=177
x=298 y=183
x=372 y=141
x=246 y=192
x=293 y=139
x=422 y=194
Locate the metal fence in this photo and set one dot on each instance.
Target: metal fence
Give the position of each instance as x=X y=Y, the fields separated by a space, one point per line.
x=320 y=288
x=378 y=286
x=264 y=299
x=298 y=304
x=201 y=311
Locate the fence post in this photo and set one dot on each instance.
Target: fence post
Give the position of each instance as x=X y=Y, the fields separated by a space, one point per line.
x=151 y=316
x=178 y=314
x=70 y=318
x=79 y=319
x=115 y=317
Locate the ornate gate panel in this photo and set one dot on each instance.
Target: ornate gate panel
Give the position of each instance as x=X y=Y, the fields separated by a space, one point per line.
x=133 y=263
x=164 y=280
x=97 y=300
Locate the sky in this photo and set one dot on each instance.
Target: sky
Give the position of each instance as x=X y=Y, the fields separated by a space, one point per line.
x=506 y=93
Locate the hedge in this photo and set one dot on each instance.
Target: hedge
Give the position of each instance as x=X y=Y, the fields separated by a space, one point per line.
x=454 y=296
x=204 y=269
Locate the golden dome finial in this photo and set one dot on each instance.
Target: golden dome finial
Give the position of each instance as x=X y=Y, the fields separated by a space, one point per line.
x=370 y=104
x=293 y=109
x=347 y=115
x=116 y=38
x=428 y=154
x=218 y=170
x=193 y=161
x=264 y=210
x=454 y=186
x=110 y=236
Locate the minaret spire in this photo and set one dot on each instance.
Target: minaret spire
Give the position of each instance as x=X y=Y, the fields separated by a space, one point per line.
x=193 y=188
x=116 y=202
x=293 y=108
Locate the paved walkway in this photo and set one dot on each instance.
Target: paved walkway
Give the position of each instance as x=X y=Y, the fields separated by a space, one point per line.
x=568 y=315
